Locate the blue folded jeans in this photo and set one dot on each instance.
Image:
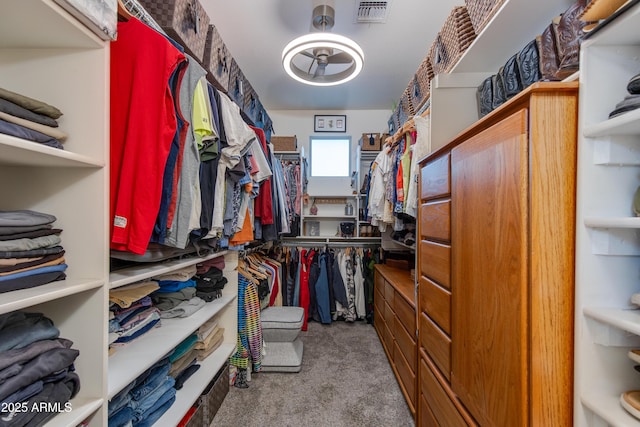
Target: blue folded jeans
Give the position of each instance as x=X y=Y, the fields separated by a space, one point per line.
x=141 y=406
x=157 y=376
x=155 y=415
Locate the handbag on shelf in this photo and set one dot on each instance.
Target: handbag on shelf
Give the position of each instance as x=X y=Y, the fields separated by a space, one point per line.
x=347 y=229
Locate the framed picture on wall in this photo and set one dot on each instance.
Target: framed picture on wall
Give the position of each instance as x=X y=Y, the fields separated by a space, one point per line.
x=331 y=123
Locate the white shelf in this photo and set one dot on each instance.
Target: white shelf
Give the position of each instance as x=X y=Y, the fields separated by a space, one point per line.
x=144 y=271
x=328 y=217
x=132 y=360
x=627 y=320
x=81 y=409
x=195 y=385
x=24 y=298
x=608 y=408
x=16 y=151
x=624 y=124
x=30 y=23
x=513 y=26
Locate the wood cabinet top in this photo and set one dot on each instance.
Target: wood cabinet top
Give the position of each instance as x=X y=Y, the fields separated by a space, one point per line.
x=518 y=101
x=400 y=279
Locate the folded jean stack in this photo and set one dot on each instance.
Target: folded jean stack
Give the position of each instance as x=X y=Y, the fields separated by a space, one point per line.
x=30 y=250
x=142 y=402
x=37 y=378
x=30 y=119
x=631 y=101
x=147 y=398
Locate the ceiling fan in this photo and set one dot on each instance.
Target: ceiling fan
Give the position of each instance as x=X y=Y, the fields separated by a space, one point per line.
x=308 y=57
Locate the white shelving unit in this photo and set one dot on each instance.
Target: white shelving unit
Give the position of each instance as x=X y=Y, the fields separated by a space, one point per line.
x=46 y=54
x=607 y=325
x=135 y=358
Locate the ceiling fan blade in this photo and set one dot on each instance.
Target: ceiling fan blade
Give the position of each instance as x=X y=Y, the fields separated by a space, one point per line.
x=339 y=58
x=320 y=69
x=311 y=65
x=307 y=54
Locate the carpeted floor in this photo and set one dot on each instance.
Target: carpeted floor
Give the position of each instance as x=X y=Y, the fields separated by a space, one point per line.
x=345 y=381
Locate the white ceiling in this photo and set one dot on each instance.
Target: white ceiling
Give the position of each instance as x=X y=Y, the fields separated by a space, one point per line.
x=255 y=32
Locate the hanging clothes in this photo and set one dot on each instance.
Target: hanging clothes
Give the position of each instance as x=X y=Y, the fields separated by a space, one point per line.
x=143 y=125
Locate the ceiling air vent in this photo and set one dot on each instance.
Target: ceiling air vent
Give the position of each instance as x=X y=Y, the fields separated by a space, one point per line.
x=368 y=12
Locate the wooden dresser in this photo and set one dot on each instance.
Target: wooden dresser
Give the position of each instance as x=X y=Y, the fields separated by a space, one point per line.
x=395 y=322
x=496 y=267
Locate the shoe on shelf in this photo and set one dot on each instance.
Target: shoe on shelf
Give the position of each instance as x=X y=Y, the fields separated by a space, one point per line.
x=634 y=355
x=630 y=401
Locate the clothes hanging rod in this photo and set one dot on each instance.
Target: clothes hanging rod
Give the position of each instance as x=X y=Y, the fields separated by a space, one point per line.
x=317 y=243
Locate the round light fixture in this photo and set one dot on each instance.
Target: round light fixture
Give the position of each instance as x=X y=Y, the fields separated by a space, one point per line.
x=321 y=48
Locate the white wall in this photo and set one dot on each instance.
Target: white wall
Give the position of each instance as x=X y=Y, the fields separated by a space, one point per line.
x=300 y=123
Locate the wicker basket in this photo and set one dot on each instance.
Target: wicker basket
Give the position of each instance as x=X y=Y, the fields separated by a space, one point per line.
x=481 y=12
x=406 y=107
x=217 y=60
x=236 y=84
x=215 y=393
x=455 y=36
x=284 y=143
x=185 y=21
x=423 y=77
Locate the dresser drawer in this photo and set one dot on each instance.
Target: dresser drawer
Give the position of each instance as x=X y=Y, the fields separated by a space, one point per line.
x=435 y=177
x=378 y=323
x=389 y=292
x=435 y=262
x=389 y=325
x=435 y=220
x=389 y=315
x=407 y=344
x=405 y=313
x=436 y=344
x=407 y=376
x=436 y=302
x=439 y=401
x=378 y=300
x=427 y=419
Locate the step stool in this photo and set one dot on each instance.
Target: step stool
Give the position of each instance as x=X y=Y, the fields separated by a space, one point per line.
x=280 y=329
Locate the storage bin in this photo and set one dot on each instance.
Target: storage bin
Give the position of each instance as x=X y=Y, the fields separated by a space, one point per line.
x=236 y=84
x=185 y=21
x=371 y=142
x=217 y=60
x=423 y=77
x=455 y=36
x=481 y=12
x=214 y=394
x=285 y=143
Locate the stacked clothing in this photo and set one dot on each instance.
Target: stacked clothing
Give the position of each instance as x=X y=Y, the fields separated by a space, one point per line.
x=30 y=119
x=210 y=283
x=631 y=101
x=36 y=367
x=132 y=313
x=183 y=356
x=146 y=399
x=30 y=250
x=176 y=295
x=209 y=337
